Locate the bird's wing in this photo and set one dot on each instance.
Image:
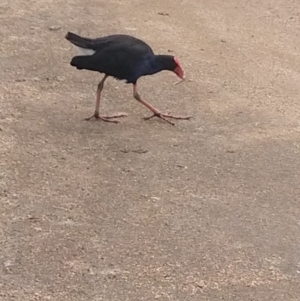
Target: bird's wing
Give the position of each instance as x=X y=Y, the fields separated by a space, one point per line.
x=120 y=61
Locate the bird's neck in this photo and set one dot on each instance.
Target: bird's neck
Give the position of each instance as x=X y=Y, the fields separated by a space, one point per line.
x=159 y=63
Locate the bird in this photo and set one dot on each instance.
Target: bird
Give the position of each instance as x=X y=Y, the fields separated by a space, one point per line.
x=123 y=57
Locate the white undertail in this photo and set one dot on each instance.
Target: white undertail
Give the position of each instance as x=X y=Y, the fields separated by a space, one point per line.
x=84 y=51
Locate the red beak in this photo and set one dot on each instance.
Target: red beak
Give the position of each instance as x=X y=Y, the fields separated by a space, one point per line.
x=179 y=72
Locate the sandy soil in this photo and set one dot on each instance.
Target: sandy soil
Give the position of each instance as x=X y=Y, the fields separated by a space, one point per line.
x=206 y=210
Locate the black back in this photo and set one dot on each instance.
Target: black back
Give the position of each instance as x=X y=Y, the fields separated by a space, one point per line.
x=119 y=40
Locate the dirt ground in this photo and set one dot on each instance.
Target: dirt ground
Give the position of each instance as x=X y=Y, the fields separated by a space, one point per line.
x=205 y=210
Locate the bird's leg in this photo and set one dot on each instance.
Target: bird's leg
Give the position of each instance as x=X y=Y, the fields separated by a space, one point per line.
x=97 y=106
x=156 y=113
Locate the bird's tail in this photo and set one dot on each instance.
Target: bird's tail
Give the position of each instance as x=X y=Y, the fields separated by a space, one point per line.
x=78 y=41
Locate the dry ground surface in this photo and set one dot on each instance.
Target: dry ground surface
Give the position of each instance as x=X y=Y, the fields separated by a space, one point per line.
x=205 y=210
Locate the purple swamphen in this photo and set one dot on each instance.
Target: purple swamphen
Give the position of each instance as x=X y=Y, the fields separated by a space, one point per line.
x=123 y=57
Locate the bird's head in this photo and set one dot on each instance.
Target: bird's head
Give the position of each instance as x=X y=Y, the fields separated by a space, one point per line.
x=178 y=70
x=166 y=62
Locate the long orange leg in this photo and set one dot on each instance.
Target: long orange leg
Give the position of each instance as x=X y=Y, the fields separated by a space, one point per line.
x=156 y=113
x=97 y=106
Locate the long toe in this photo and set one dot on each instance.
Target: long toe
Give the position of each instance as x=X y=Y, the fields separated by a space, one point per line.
x=159 y=116
x=118 y=115
x=165 y=116
x=177 y=117
x=108 y=119
x=89 y=118
x=95 y=115
x=103 y=118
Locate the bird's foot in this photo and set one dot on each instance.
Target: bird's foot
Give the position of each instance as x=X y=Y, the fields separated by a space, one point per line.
x=107 y=118
x=165 y=116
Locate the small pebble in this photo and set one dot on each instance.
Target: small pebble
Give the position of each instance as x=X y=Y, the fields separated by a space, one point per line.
x=54 y=28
